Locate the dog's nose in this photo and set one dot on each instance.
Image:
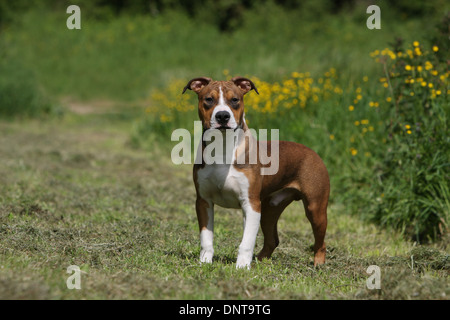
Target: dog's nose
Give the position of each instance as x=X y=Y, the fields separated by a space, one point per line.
x=222 y=117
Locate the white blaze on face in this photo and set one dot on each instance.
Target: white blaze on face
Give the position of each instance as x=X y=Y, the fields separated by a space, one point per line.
x=222 y=106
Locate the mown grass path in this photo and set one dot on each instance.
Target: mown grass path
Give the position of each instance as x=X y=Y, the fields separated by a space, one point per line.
x=73 y=192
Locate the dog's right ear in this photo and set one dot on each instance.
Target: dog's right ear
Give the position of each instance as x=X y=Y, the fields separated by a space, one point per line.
x=197 y=84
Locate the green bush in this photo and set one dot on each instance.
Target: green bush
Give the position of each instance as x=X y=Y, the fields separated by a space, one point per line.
x=20 y=95
x=413 y=190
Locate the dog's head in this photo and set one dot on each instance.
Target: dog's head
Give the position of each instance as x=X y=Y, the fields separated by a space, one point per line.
x=221 y=103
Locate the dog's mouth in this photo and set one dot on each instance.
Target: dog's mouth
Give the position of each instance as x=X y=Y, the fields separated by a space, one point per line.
x=219 y=126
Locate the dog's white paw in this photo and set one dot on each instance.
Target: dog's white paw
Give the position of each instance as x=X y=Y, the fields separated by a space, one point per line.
x=206 y=256
x=244 y=261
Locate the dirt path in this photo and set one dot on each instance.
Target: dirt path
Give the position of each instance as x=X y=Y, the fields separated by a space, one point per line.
x=99 y=106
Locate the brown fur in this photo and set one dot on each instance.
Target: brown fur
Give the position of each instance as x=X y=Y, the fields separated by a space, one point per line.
x=302 y=175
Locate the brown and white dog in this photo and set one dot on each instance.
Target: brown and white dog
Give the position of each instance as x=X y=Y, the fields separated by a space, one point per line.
x=301 y=175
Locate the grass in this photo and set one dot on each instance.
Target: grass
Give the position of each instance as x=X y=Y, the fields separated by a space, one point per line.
x=73 y=191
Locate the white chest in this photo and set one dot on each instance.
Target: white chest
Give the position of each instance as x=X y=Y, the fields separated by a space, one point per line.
x=223 y=185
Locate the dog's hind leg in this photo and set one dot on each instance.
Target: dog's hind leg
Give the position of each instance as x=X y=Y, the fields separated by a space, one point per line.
x=316 y=212
x=269 y=219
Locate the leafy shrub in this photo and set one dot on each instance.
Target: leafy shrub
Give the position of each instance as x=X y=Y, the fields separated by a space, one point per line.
x=414 y=193
x=20 y=94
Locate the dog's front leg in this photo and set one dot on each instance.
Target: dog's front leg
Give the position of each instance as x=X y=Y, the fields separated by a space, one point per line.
x=252 y=218
x=205 y=216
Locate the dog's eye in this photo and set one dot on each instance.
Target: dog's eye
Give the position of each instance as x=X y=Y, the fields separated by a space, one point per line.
x=235 y=100
x=209 y=100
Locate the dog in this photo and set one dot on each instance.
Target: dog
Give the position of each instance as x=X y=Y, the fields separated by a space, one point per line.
x=301 y=175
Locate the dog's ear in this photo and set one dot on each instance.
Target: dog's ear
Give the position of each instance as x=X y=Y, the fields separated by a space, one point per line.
x=197 y=84
x=244 y=84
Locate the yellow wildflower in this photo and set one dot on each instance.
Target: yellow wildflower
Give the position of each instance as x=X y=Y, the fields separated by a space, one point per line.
x=435 y=48
x=375 y=53
x=165 y=118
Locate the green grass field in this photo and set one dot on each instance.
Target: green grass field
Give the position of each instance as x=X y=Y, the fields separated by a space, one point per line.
x=86 y=177
x=73 y=192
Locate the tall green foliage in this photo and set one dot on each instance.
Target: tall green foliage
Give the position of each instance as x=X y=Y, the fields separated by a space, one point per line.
x=414 y=172
x=20 y=94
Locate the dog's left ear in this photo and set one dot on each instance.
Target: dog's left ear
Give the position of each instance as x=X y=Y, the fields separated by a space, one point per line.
x=244 y=84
